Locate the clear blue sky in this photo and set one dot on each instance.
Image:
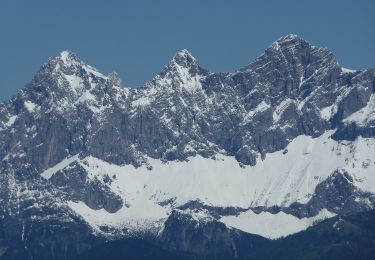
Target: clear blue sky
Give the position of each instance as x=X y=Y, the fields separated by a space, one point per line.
x=137 y=38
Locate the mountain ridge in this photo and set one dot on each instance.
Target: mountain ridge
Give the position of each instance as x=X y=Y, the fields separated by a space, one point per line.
x=286 y=141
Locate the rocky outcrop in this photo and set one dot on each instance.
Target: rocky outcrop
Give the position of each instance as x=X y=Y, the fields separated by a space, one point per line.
x=338 y=194
x=191 y=232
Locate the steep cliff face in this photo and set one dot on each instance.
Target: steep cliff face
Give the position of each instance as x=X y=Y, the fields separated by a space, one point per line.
x=287 y=138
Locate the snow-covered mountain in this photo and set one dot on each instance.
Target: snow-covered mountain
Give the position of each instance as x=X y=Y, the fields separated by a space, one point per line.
x=269 y=149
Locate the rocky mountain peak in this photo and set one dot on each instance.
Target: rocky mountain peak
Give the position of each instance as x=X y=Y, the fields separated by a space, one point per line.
x=290 y=38
x=182 y=72
x=183 y=62
x=68 y=57
x=64 y=81
x=184 y=58
x=62 y=61
x=290 y=62
x=289 y=42
x=68 y=63
x=296 y=50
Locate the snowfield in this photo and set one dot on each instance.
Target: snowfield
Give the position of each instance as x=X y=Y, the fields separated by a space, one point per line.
x=280 y=179
x=273 y=226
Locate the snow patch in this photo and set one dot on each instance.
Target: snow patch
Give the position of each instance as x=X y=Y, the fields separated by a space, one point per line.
x=281 y=179
x=30 y=106
x=74 y=81
x=47 y=174
x=364 y=115
x=142 y=101
x=64 y=56
x=138 y=217
x=10 y=121
x=273 y=226
x=261 y=107
x=279 y=110
x=94 y=71
x=345 y=70
x=327 y=112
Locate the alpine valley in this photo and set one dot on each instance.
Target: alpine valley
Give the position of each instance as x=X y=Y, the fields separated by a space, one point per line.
x=275 y=159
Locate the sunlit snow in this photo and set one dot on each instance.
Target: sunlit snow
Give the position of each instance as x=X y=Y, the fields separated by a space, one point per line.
x=282 y=178
x=273 y=226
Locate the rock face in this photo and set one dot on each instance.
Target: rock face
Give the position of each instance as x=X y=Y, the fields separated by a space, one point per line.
x=337 y=194
x=79 y=148
x=191 y=233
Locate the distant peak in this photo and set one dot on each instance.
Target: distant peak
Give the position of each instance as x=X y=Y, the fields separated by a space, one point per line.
x=184 y=58
x=66 y=62
x=183 y=66
x=63 y=59
x=290 y=37
x=67 y=57
x=289 y=41
x=66 y=53
x=184 y=53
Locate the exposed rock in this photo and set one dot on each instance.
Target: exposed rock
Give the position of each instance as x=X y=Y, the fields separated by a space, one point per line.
x=70 y=109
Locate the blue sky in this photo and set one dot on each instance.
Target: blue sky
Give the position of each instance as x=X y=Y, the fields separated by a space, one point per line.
x=137 y=38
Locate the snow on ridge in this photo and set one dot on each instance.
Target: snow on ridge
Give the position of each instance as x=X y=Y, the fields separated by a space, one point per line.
x=94 y=71
x=345 y=70
x=69 y=59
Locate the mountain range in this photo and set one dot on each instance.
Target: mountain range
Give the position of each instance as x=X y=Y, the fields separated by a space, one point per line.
x=196 y=163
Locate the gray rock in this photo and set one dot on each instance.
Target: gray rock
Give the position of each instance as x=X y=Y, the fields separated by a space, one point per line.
x=69 y=108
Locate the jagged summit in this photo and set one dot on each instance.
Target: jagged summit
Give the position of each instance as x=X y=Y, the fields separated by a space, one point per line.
x=182 y=71
x=184 y=58
x=290 y=42
x=64 y=81
x=64 y=58
x=295 y=58
x=67 y=56
x=68 y=63
x=290 y=37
